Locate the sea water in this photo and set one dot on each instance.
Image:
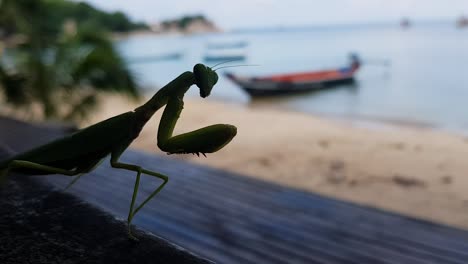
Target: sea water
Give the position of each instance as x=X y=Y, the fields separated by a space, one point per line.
x=417 y=75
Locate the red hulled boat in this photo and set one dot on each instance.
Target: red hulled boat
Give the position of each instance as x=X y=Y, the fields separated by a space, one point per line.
x=297 y=82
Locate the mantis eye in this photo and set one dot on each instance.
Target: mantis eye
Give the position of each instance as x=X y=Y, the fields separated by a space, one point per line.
x=205 y=79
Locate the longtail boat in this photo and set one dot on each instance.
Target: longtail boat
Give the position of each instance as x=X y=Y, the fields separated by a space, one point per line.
x=297 y=82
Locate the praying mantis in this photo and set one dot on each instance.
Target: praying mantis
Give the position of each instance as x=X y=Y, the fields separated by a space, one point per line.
x=82 y=151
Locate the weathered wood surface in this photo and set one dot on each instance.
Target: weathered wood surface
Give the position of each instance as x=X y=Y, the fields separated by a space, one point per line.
x=231 y=218
x=42 y=226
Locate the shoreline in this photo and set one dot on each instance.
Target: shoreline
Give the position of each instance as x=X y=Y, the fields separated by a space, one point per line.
x=149 y=33
x=414 y=171
x=371 y=122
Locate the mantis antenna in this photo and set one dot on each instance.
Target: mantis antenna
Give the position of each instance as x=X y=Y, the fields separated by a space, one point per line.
x=222 y=63
x=232 y=66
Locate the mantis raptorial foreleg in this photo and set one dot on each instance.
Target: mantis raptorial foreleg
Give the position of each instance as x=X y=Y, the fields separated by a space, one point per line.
x=204 y=140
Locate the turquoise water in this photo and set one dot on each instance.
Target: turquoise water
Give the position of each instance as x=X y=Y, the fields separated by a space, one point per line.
x=426 y=82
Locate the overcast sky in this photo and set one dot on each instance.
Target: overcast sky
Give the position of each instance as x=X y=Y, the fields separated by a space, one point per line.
x=267 y=13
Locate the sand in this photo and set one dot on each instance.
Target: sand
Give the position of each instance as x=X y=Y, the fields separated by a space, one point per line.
x=415 y=171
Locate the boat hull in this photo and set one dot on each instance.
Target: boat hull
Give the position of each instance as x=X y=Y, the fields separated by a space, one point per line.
x=273 y=88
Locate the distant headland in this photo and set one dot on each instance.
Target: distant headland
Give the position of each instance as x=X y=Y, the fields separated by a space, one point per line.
x=189 y=24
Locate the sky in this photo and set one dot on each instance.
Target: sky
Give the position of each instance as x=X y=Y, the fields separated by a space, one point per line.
x=234 y=14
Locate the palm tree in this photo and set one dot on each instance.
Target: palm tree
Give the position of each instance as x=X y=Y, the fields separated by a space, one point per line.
x=61 y=72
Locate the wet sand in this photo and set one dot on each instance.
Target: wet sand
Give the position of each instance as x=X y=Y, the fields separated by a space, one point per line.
x=414 y=171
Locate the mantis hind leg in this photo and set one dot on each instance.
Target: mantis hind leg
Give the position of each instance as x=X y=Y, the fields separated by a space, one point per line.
x=84 y=169
x=3 y=176
x=132 y=212
x=24 y=164
x=73 y=181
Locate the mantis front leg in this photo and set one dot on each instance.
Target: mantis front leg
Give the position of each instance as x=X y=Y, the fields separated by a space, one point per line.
x=204 y=140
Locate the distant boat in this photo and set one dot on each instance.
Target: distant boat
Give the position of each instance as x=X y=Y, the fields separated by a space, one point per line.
x=155 y=58
x=462 y=22
x=225 y=55
x=227 y=45
x=405 y=23
x=297 y=82
x=226 y=51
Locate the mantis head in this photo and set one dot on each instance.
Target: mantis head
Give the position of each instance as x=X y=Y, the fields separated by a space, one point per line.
x=205 y=79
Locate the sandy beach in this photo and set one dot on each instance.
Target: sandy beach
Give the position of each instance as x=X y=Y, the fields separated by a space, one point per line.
x=414 y=171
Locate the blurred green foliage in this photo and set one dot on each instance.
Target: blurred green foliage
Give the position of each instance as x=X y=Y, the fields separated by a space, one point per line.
x=58 y=63
x=58 y=11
